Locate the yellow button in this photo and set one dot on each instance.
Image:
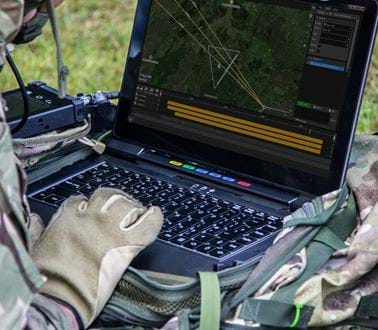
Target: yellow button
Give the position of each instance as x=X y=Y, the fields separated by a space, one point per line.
x=175 y=163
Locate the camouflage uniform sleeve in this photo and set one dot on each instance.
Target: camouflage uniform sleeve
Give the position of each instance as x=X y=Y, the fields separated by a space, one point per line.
x=48 y=314
x=21 y=307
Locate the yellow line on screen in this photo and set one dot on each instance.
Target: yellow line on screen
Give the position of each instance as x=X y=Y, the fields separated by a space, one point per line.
x=243 y=132
x=246 y=122
x=248 y=128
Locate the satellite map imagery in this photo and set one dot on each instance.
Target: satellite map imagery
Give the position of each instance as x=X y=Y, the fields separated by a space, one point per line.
x=239 y=53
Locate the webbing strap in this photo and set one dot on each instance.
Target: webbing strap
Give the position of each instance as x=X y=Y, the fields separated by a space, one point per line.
x=210 y=301
x=328 y=237
x=326 y=242
x=263 y=272
x=276 y=314
x=323 y=217
x=62 y=69
x=368 y=307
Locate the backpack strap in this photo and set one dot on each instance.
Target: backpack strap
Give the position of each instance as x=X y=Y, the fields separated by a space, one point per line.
x=276 y=314
x=322 y=218
x=279 y=310
x=281 y=252
x=210 y=301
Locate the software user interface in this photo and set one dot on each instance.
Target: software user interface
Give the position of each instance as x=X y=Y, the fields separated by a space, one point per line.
x=267 y=79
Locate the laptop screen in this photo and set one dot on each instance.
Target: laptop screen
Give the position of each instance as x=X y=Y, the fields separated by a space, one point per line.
x=266 y=79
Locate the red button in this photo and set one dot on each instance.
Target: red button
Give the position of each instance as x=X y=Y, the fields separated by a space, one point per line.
x=244 y=184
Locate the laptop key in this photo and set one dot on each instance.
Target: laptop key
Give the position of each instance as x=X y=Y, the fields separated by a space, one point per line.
x=226 y=235
x=205 y=248
x=212 y=230
x=219 y=253
x=179 y=240
x=71 y=185
x=257 y=234
x=166 y=236
x=218 y=241
x=192 y=244
x=41 y=195
x=204 y=238
x=61 y=191
x=260 y=215
x=270 y=228
x=178 y=230
x=54 y=199
x=232 y=246
x=245 y=240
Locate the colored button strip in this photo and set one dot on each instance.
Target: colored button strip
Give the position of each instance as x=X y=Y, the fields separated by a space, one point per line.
x=215 y=175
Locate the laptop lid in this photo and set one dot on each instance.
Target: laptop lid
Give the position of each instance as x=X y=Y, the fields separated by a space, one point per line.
x=268 y=88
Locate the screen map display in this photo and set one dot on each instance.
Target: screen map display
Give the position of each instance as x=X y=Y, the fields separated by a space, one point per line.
x=266 y=79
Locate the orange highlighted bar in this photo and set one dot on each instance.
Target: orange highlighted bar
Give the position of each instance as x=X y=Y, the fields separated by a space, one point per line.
x=248 y=128
x=246 y=122
x=243 y=132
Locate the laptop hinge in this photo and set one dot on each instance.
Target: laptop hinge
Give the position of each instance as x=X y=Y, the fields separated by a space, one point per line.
x=124 y=149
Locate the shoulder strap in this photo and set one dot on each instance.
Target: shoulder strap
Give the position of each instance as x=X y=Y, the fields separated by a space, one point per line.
x=62 y=69
x=210 y=301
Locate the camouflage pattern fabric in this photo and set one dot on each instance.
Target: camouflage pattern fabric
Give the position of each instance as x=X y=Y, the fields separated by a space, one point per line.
x=352 y=274
x=336 y=291
x=20 y=306
x=11 y=13
x=20 y=280
x=19 y=277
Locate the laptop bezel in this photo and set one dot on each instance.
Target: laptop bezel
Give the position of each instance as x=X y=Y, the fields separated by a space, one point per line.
x=199 y=152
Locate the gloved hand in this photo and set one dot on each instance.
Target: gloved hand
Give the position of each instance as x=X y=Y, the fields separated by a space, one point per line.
x=88 y=246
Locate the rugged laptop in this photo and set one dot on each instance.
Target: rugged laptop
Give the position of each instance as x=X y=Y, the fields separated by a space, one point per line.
x=232 y=114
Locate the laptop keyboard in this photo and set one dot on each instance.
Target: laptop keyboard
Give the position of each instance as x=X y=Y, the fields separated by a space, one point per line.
x=193 y=220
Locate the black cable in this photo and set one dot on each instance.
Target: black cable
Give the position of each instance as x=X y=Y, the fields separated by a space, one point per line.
x=24 y=93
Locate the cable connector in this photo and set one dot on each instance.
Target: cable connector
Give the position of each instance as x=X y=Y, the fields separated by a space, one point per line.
x=85 y=105
x=98 y=98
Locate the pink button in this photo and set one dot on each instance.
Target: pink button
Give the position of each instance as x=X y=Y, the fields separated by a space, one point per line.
x=244 y=184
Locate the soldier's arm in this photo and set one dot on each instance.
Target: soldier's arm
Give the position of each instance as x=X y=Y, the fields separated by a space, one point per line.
x=34 y=20
x=43 y=312
x=51 y=314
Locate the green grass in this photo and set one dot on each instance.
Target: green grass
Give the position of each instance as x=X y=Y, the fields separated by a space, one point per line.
x=95 y=38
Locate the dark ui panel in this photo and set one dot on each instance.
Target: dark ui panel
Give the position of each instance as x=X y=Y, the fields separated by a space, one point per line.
x=326 y=74
x=332 y=38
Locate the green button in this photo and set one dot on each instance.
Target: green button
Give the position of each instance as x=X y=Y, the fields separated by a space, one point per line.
x=189 y=167
x=305 y=105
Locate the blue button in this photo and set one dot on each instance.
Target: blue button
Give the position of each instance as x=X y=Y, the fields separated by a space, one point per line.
x=228 y=179
x=202 y=171
x=215 y=175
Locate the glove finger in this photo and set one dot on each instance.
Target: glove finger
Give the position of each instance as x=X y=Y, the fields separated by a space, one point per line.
x=145 y=230
x=36 y=228
x=102 y=195
x=131 y=216
x=74 y=202
x=70 y=203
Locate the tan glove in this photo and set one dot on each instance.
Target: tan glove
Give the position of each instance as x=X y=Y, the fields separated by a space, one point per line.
x=88 y=246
